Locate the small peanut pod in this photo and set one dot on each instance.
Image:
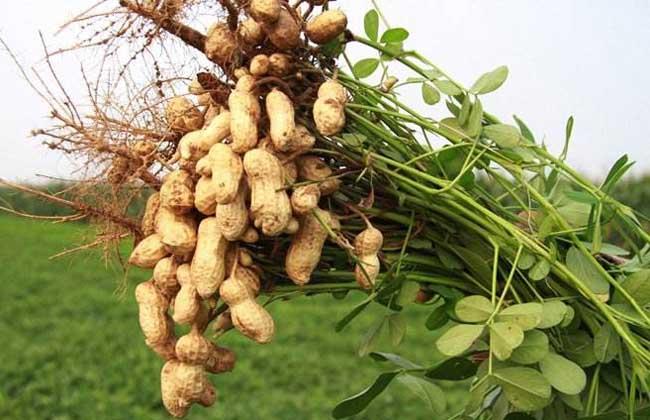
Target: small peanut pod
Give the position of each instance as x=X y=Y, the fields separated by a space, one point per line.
x=250 y=32
x=187 y=304
x=221 y=360
x=148 y=224
x=177 y=231
x=292 y=226
x=307 y=244
x=280 y=65
x=227 y=170
x=148 y=252
x=196 y=144
x=302 y=141
x=259 y=65
x=183 y=384
x=250 y=236
x=285 y=32
x=265 y=11
x=329 y=108
x=248 y=316
x=208 y=263
x=232 y=218
x=220 y=44
x=281 y=117
x=152 y=309
x=305 y=198
x=313 y=168
x=164 y=277
x=326 y=26
x=366 y=245
x=245 y=113
x=334 y=90
x=205 y=197
x=182 y=115
x=177 y=192
x=270 y=206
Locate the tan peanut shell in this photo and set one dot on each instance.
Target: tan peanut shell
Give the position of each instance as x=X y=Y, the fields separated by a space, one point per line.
x=187 y=303
x=334 y=90
x=313 y=168
x=148 y=252
x=280 y=65
x=246 y=83
x=265 y=11
x=205 y=198
x=221 y=360
x=232 y=218
x=251 y=32
x=245 y=113
x=196 y=144
x=227 y=169
x=204 y=166
x=279 y=109
x=250 y=236
x=259 y=65
x=182 y=384
x=182 y=115
x=270 y=206
x=285 y=32
x=306 y=246
x=193 y=348
x=148 y=224
x=326 y=26
x=164 y=277
x=152 y=306
x=177 y=231
x=220 y=44
x=366 y=246
x=292 y=226
x=303 y=141
x=223 y=322
x=245 y=258
x=177 y=192
x=305 y=198
x=248 y=316
x=208 y=263
x=329 y=116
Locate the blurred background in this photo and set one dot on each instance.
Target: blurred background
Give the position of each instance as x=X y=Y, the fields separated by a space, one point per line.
x=72 y=346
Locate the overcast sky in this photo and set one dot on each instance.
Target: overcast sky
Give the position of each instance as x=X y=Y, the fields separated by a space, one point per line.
x=586 y=58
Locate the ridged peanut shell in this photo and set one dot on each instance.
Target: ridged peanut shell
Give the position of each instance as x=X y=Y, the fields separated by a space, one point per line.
x=248 y=316
x=182 y=115
x=148 y=252
x=227 y=169
x=305 y=198
x=205 y=197
x=313 y=168
x=152 y=306
x=367 y=270
x=148 y=223
x=280 y=65
x=307 y=245
x=182 y=385
x=208 y=263
x=232 y=218
x=164 y=277
x=177 y=231
x=333 y=90
x=250 y=32
x=279 y=109
x=177 y=192
x=326 y=26
x=193 y=348
x=259 y=65
x=187 y=303
x=285 y=33
x=329 y=116
x=220 y=44
x=245 y=113
x=264 y=11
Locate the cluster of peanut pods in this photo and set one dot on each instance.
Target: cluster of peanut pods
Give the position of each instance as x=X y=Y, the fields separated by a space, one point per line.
x=242 y=170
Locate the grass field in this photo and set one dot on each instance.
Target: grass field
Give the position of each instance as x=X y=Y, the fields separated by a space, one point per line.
x=72 y=348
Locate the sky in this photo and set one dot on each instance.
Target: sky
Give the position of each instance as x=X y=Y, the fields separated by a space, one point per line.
x=586 y=58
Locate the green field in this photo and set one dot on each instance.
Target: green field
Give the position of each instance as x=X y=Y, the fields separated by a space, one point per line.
x=72 y=347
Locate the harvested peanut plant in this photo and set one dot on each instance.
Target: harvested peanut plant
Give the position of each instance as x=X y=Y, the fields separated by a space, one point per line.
x=271 y=170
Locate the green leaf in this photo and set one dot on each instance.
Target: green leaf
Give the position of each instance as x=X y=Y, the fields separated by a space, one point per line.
x=420 y=243
x=432 y=73
x=636 y=285
x=437 y=318
x=504 y=135
x=450 y=128
x=607 y=345
x=395 y=359
x=575 y=213
x=583 y=268
x=458 y=339
x=351 y=315
x=396 y=328
x=607 y=248
x=525 y=131
x=370 y=339
x=407 y=293
x=490 y=81
x=354 y=140
x=454 y=369
x=572 y=401
x=504 y=338
x=474 y=122
x=526 y=315
x=540 y=270
x=371 y=24
x=553 y=312
x=395 y=35
x=357 y=403
x=365 y=67
x=518 y=416
x=474 y=309
x=579 y=347
x=447 y=87
x=568 y=317
x=525 y=388
x=476 y=264
x=465 y=110
x=620 y=167
x=393 y=49
x=426 y=390
x=533 y=349
x=563 y=374
x=430 y=95
x=526 y=261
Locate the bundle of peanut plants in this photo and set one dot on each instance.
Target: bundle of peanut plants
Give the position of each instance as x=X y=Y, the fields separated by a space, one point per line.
x=273 y=168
